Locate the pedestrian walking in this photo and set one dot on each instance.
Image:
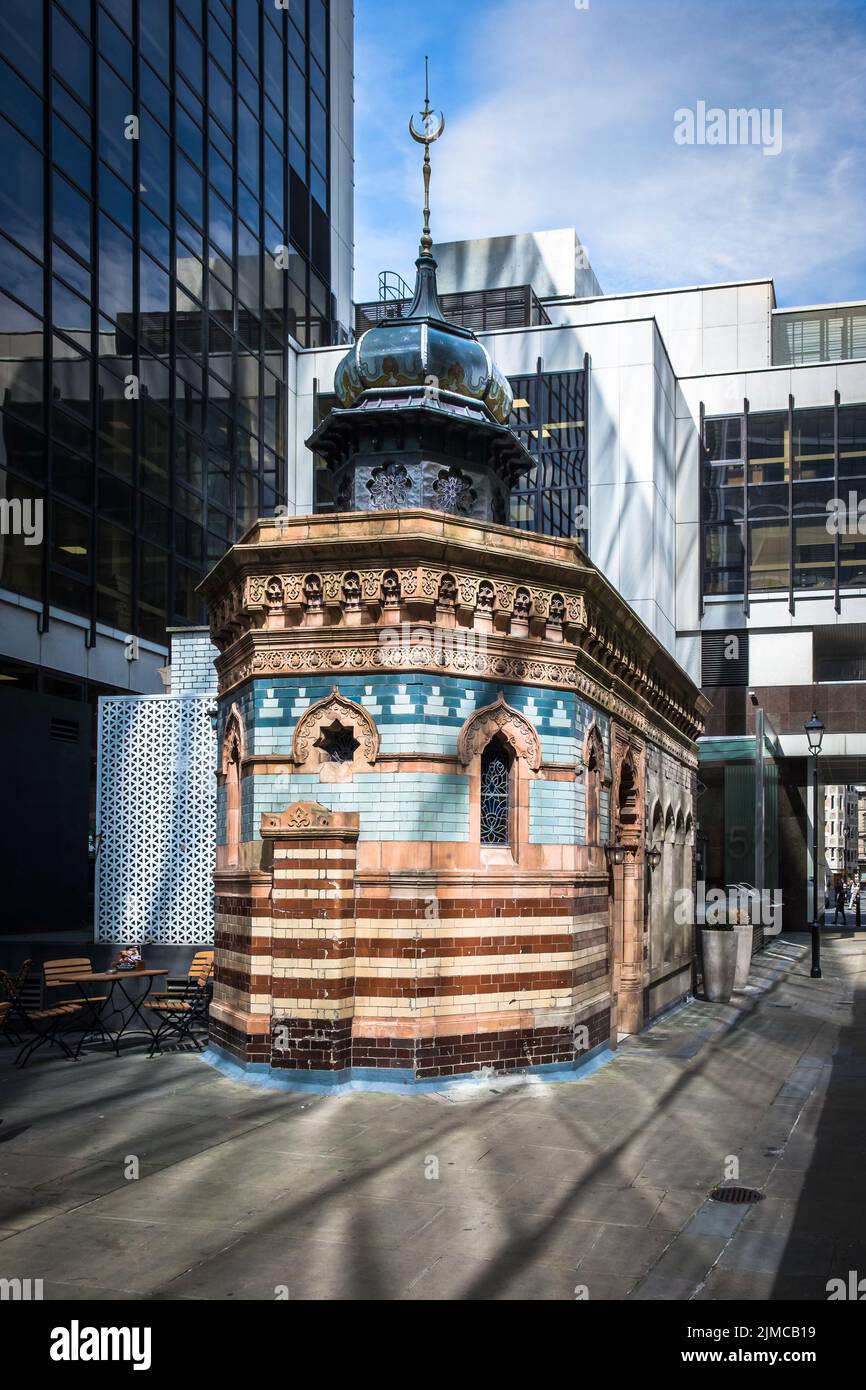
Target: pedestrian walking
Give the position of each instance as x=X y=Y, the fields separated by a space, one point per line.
x=840 y=904
x=855 y=901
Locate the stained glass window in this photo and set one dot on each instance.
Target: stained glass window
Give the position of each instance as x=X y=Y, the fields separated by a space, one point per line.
x=495 y=769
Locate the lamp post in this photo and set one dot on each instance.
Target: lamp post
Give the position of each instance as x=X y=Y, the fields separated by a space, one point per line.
x=815 y=734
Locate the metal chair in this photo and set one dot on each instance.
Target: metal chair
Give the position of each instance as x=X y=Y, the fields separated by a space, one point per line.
x=46 y=1025
x=57 y=972
x=11 y=986
x=182 y=1011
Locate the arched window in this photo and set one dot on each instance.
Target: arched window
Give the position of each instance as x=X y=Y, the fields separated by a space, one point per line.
x=496 y=763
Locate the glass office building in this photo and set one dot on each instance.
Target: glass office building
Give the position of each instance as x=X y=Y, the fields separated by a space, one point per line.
x=769 y=483
x=164 y=228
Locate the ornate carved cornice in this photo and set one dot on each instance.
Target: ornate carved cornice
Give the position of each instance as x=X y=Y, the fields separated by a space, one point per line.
x=349 y=593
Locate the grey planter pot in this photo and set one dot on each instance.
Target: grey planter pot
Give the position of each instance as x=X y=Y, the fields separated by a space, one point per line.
x=719 y=956
x=744 y=955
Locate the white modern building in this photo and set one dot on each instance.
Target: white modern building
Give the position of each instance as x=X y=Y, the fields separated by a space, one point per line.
x=707 y=433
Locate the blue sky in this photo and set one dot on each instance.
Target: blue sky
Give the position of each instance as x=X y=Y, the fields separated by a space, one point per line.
x=560 y=116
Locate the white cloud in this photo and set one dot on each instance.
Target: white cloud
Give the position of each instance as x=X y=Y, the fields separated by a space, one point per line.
x=565 y=117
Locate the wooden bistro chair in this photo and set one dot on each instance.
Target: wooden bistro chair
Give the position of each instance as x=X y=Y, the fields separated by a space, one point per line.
x=179 y=1013
x=56 y=972
x=11 y=986
x=44 y=1024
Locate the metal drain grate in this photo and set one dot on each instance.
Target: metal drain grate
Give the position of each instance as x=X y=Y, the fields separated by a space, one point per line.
x=736 y=1194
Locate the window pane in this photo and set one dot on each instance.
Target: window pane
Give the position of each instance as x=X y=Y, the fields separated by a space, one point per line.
x=813 y=444
x=20 y=103
x=768 y=448
x=115 y=270
x=768 y=557
x=852 y=561
x=494 y=794
x=155 y=33
x=20 y=275
x=71 y=154
x=71 y=56
x=22 y=43
x=21 y=189
x=70 y=539
x=187 y=605
x=114 y=576
x=723 y=547
x=71 y=217
x=189 y=189
x=814 y=549
x=155 y=157
x=153 y=588
x=852 y=441
x=21 y=551
x=115 y=104
x=115 y=46
x=73 y=476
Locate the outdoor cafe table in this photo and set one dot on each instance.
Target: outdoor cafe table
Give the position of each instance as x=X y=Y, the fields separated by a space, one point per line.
x=115 y=980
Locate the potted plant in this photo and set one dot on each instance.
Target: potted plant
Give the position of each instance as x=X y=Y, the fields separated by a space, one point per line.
x=719 y=958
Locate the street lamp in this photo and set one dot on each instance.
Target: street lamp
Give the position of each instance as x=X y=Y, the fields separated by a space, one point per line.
x=615 y=854
x=815 y=734
x=653 y=856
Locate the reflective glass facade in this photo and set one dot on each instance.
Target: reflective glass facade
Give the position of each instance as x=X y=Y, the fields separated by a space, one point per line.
x=550 y=417
x=164 y=226
x=769 y=479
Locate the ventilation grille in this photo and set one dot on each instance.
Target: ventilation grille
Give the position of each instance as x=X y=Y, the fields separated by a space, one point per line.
x=65 y=730
x=725 y=658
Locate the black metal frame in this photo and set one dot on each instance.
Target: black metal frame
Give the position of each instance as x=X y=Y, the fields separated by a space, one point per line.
x=181 y=1015
x=789 y=456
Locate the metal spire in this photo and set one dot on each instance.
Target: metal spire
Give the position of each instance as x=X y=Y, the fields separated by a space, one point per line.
x=426 y=136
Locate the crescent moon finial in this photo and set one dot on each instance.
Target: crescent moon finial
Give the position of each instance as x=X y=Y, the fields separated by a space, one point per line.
x=428 y=134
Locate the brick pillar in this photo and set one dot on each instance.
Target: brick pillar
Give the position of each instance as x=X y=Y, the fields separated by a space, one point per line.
x=312 y=936
x=631 y=981
x=239 y=1016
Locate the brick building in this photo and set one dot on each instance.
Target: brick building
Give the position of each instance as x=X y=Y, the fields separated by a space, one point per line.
x=446 y=747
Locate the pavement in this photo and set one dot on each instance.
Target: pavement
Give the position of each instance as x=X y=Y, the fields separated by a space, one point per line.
x=161 y=1179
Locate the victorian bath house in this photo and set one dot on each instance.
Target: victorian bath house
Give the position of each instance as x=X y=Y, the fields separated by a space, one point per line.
x=456 y=781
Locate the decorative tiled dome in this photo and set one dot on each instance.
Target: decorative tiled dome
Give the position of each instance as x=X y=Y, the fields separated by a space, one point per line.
x=422 y=348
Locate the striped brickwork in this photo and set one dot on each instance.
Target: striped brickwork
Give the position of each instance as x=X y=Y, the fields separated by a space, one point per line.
x=364 y=926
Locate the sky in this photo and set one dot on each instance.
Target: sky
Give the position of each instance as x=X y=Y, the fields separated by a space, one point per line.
x=561 y=113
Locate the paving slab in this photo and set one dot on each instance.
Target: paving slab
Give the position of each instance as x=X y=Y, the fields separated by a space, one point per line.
x=593 y=1189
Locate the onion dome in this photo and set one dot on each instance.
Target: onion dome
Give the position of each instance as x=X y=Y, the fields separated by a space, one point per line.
x=423 y=349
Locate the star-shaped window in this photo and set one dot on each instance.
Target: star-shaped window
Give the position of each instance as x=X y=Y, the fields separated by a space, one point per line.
x=337 y=742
